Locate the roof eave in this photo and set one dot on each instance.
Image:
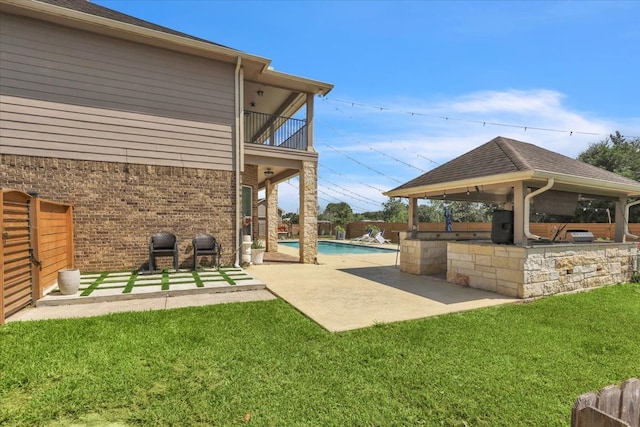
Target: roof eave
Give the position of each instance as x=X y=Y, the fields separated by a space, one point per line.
x=592 y=185
x=464 y=183
x=586 y=185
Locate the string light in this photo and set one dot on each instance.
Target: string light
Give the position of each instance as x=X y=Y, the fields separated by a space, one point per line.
x=361 y=164
x=359 y=182
x=374 y=149
x=482 y=122
x=354 y=195
x=381 y=152
x=359 y=208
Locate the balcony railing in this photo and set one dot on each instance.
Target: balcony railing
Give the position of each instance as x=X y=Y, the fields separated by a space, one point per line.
x=277 y=131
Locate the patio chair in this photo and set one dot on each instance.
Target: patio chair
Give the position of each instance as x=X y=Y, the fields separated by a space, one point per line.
x=365 y=238
x=379 y=237
x=204 y=244
x=163 y=244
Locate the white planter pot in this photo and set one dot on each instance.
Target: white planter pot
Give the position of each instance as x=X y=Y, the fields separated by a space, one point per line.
x=69 y=281
x=257 y=256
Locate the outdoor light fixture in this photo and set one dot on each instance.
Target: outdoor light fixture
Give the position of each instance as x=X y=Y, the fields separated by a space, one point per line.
x=260 y=93
x=268 y=172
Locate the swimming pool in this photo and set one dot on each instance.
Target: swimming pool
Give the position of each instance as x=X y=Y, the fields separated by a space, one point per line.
x=333 y=248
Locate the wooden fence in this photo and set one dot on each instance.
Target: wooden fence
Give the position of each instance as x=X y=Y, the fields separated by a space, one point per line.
x=612 y=406
x=37 y=241
x=600 y=231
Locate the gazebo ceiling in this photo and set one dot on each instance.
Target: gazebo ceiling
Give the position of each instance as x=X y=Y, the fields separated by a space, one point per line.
x=489 y=173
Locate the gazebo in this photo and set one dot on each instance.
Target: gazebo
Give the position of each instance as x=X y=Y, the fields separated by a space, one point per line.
x=511 y=259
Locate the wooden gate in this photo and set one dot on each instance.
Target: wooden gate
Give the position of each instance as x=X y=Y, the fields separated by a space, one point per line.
x=16 y=273
x=37 y=241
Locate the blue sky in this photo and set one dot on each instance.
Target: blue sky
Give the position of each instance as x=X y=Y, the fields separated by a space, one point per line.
x=418 y=83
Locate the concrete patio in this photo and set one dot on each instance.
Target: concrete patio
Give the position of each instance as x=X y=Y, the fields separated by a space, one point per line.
x=347 y=292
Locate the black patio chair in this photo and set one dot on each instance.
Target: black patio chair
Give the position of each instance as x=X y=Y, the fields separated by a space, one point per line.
x=204 y=244
x=163 y=244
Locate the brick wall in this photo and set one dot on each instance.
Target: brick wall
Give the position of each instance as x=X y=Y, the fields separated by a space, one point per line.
x=118 y=206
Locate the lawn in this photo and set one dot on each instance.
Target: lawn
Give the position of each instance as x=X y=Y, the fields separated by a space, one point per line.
x=265 y=364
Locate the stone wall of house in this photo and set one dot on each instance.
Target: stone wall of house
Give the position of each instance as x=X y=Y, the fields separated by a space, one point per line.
x=118 y=206
x=527 y=272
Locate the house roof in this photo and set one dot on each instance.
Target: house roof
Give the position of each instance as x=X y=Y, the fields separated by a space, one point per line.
x=86 y=6
x=87 y=16
x=501 y=161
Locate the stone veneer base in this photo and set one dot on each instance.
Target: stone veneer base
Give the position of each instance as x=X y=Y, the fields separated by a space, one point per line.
x=535 y=271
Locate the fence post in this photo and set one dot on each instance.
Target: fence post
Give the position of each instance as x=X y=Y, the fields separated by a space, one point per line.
x=583 y=401
x=609 y=400
x=35 y=240
x=613 y=406
x=630 y=404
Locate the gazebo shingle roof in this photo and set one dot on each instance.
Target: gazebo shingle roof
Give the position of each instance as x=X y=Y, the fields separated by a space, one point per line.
x=502 y=156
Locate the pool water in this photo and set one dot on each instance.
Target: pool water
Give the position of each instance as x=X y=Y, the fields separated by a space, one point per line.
x=332 y=248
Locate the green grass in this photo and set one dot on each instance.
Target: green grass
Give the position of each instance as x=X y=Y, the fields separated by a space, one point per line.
x=514 y=365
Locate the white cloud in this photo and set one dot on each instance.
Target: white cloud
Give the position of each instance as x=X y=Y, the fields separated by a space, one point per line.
x=416 y=132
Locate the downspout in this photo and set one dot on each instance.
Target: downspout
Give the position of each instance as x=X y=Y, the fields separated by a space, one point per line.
x=236 y=167
x=626 y=219
x=527 y=208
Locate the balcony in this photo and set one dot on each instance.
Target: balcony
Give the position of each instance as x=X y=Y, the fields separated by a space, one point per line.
x=277 y=131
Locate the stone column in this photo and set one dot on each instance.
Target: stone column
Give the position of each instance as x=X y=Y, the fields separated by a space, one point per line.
x=272 y=218
x=309 y=212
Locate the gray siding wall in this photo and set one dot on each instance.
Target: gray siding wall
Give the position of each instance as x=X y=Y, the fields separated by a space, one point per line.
x=71 y=94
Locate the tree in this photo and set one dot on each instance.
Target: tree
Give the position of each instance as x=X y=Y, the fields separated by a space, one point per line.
x=460 y=211
x=368 y=216
x=394 y=210
x=338 y=213
x=292 y=216
x=615 y=154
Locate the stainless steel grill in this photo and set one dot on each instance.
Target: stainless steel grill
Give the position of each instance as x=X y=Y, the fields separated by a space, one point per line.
x=580 y=236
